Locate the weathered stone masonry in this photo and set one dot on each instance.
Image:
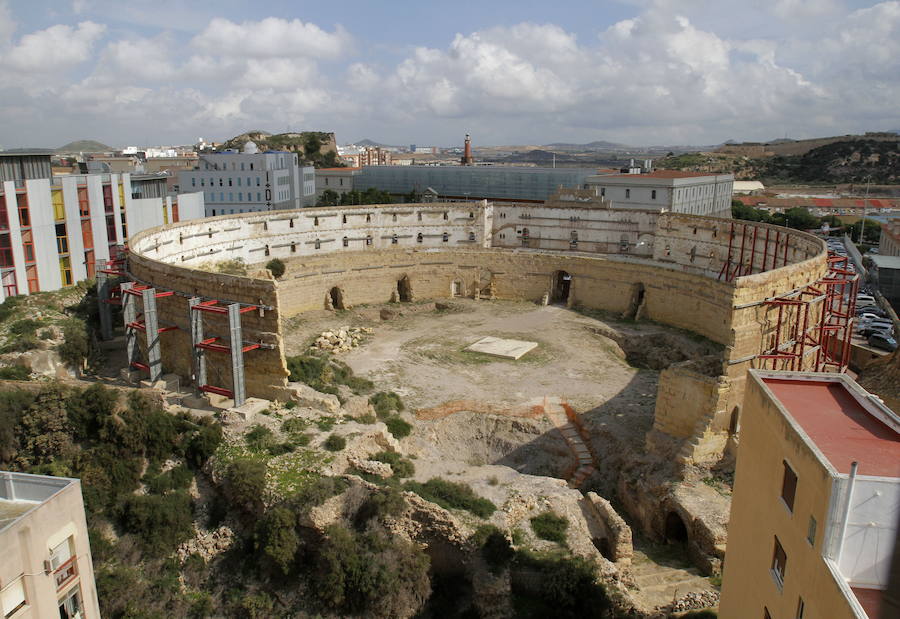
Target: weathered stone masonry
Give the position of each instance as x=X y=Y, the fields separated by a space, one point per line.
x=446 y=249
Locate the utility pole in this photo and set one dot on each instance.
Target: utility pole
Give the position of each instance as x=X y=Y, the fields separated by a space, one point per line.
x=862 y=224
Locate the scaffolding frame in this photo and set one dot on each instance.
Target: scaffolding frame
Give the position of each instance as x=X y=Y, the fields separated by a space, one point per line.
x=734 y=265
x=146 y=321
x=815 y=320
x=235 y=346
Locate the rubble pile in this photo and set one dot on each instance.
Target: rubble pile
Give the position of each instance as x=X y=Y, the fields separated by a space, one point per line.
x=341 y=340
x=696 y=600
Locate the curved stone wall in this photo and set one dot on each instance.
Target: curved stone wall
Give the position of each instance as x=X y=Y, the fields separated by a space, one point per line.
x=445 y=249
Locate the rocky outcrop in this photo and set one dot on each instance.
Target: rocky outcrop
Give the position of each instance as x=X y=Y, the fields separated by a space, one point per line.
x=341 y=340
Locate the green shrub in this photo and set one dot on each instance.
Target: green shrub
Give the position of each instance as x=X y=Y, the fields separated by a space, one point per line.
x=550 y=527
x=335 y=443
x=259 y=605
x=9 y=306
x=276 y=267
x=276 y=537
x=177 y=478
x=76 y=345
x=567 y=586
x=26 y=326
x=400 y=466
x=15 y=372
x=20 y=343
x=161 y=522
x=247 y=483
x=387 y=503
x=495 y=548
x=316 y=493
x=13 y=404
x=306 y=368
x=370 y=574
x=325 y=424
x=259 y=438
x=203 y=444
x=450 y=495
x=397 y=426
x=386 y=401
x=290 y=405
x=366 y=419
x=90 y=409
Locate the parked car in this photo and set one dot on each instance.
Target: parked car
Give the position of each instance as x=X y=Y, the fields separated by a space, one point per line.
x=865 y=298
x=868 y=316
x=884 y=341
x=873 y=328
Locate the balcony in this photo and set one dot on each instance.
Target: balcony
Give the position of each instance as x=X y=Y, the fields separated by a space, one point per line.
x=65 y=573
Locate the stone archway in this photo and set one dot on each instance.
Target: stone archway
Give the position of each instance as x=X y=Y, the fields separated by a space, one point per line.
x=562 y=287
x=676 y=530
x=404 y=289
x=336 y=298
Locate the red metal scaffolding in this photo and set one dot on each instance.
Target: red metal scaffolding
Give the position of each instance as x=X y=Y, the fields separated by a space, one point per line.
x=817 y=320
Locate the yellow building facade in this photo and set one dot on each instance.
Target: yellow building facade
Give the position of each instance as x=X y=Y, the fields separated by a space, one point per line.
x=816 y=497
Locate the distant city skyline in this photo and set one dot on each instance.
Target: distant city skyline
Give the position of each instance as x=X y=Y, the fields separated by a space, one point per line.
x=639 y=72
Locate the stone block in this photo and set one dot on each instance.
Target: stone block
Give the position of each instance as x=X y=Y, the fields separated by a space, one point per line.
x=250 y=408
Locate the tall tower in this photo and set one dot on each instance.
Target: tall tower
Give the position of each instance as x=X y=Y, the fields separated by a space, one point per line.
x=467 y=158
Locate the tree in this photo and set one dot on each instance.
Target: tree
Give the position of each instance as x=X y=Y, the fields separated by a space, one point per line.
x=276 y=537
x=329 y=197
x=276 y=267
x=872 y=231
x=801 y=219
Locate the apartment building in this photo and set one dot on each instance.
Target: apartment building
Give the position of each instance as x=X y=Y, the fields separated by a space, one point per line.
x=54 y=231
x=890 y=238
x=339 y=180
x=46 y=568
x=816 y=499
x=666 y=190
x=250 y=181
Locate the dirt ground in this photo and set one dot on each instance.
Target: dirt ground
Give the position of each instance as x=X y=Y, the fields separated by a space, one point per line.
x=421 y=355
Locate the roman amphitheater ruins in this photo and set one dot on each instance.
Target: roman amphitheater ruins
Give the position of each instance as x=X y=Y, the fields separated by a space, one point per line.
x=756 y=295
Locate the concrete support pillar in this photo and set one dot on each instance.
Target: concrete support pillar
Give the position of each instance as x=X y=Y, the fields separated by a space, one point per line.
x=103 y=292
x=237 y=353
x=129 y=313
x=151 y=324
x=198 y=356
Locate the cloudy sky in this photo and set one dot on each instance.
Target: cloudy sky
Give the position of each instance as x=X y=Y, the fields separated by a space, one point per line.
x=417 y=71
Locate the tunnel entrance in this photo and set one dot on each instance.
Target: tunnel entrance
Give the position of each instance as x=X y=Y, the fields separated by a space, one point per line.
x=404 y=289
x=602 y=545
x=676 y=532
x=337 y=298
x=562 y=283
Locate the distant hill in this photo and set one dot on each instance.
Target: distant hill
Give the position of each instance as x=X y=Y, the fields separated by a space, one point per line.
x=85 y=146
x=316 y=147
x=595 y=145
x=368 y=142
x=845 y=161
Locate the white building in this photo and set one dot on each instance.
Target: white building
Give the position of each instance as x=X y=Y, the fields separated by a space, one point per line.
x=55 y=231
x=693 y=193
x=46 y=568
x=250 y=181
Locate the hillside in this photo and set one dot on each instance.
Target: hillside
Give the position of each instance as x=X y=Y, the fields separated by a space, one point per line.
x=85 y=146
x=316 y=147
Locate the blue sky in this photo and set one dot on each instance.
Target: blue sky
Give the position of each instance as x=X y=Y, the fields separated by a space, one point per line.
x=635 y=71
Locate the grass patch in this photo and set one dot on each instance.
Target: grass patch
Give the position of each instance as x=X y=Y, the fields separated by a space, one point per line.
x=450 y=495
x=15 y=372
x=324 y=374
x=550 y=527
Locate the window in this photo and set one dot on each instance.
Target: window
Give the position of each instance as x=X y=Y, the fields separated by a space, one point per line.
x=315 y=221
x=394 y=217
x=811 y=531
x=229 y=181
x=394 y=239
x=445 y=237
x=788 y=486
x=471 y=236
x=627 y=193
x=194 y=182
x=62 y=562
x=267 y=250
x=318 y=244
x=345 y=241
x=368 y=218
x=70 y=606
x=653 y=194
x=419 y=238
x=368 y=239
x=603 y=192
x=779 y=563
x=800 y=608
x=13 y=598
x=239 y=180
x=445 y=216
x=251 y=167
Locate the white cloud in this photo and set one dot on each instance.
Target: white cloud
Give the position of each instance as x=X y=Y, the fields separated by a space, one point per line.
x=271 y=37
x=57 y=47
x=7 y=24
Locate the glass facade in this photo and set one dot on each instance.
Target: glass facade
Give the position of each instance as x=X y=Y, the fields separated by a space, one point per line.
x=473 y=182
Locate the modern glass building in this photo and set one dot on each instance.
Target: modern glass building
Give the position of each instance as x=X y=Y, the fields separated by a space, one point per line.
x=472 y=182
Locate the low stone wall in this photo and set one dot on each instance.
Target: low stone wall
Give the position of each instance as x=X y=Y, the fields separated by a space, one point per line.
x=616 y=531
